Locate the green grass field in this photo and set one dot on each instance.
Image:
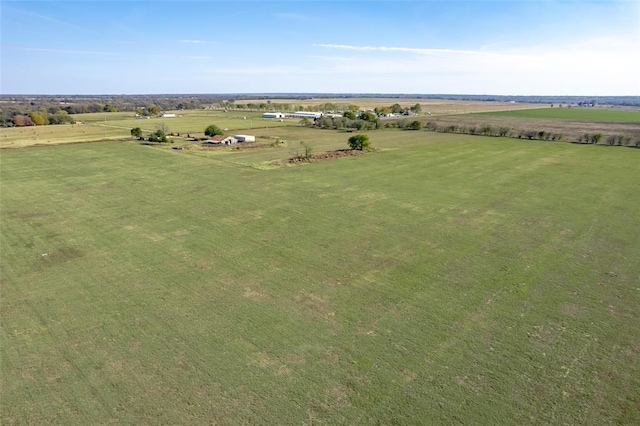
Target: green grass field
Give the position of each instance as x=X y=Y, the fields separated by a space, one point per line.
x=586 y=114
x=444 y=279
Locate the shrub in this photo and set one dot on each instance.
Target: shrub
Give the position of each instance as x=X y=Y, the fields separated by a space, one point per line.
x=213 y=130
x=158 y=136
x=595 y=138
x=487 y=130
x=414 y=125
x=359 y=142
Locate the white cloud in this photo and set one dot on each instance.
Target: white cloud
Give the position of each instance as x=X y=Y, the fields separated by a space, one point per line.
x=419 y=51
x=605 y=66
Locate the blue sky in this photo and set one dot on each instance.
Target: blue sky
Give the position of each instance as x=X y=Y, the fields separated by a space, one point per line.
x=540 y=47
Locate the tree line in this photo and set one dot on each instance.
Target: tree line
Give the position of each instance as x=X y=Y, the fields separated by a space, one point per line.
x=542 y=135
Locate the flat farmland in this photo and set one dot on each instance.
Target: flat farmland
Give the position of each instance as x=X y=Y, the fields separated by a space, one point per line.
x=443 y=279
x=572 y=123
x=434 y=106
x=586 y=114
x=99 y=127
x=117 y=126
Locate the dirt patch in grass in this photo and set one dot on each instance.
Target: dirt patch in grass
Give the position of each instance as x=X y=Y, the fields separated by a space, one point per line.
x=330 y=155
x=59 y=255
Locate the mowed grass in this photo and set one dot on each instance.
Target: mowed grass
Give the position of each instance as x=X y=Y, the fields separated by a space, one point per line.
x=586 y=114
x=443 y=280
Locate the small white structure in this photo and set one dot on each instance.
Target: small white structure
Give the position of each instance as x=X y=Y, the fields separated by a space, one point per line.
x=245 y=138
x=221 y=140
x=273 y=115
x=167 y=115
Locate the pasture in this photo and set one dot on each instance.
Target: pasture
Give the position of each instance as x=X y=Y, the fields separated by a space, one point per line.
x=117 y=126
x=583 y=114
x=112 y=126
x=434 y=106
x=445 y=279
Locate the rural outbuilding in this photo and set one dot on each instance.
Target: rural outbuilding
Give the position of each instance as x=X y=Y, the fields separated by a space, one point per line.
x=306 y=114
x=221 y=140
x=245 y=138
x=273 y=115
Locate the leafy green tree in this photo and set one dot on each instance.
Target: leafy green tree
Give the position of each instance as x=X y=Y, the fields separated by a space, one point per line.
x=38 y=118
x=397 y=109
x=382 y=110
x=136 y=132
x=359 y=142
x=417 y=109
x=110 y=108
x=153 y=109
x=213 y=130
x=367 y=116
x=158 y=136
x=349 y=114
x=325 y=122
x=60 y=117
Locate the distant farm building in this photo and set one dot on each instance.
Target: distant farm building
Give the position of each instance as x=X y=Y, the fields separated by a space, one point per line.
x=273 y=115
x=305 y=114
x=167 y=115
x=221 y=140
x=245 y=138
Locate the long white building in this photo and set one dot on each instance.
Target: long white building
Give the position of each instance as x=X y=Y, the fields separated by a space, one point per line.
x=273 y=115
x=305 y=114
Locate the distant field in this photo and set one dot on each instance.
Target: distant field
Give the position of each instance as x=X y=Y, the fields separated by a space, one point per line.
x=443 y=279
x=434 y=106
x=118 y=125
x=587 y=114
